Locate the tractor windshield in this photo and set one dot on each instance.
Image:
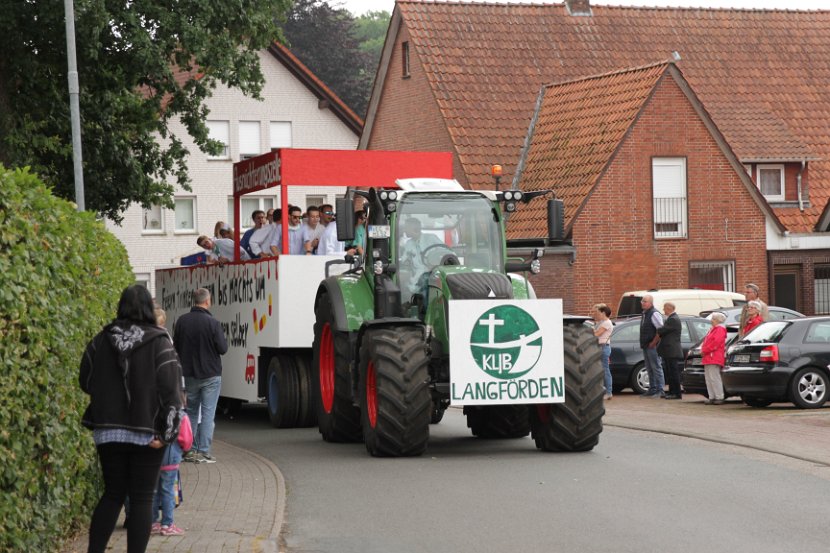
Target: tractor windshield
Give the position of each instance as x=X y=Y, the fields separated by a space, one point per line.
x=445 y=229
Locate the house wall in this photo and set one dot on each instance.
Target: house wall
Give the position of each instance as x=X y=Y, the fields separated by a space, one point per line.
x=407 y=117
x=284 y=99
x=613 y=235
x=801 y=263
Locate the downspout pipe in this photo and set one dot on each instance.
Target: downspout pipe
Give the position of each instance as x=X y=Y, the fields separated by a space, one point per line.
x=798 y=184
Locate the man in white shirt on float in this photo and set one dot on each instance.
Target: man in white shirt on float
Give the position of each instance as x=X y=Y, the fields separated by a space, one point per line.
x=329 y=244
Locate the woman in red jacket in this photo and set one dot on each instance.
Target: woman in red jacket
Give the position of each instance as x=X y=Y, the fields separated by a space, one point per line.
x=753 y=317
x=714 y=353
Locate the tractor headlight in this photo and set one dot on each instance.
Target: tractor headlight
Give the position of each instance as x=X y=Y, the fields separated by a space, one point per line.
x=391 y=206
x=517 y=195
x=377 y=267
x=384 y=195
x=393 y=195
x=510 y=207
x=535 y=266
x=508 y=195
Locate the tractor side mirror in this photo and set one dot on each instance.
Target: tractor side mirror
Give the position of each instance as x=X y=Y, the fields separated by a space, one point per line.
x=345 y=219
x=556 y=220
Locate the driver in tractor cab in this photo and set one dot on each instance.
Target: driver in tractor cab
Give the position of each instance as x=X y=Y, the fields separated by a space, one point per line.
x=412 y=256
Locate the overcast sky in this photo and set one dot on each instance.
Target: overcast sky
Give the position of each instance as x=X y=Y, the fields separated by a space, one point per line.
x=358 y=7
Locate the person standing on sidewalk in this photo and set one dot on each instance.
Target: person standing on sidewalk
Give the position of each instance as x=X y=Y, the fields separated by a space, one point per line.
x=669 y=349
x=651 y=321
x=602 y=330
x=132 y=376
x=199 y=341
x=713 y=349
x=751 y=293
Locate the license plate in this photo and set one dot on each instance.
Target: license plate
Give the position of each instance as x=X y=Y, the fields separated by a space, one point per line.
x=742 y=358
x=379 y=231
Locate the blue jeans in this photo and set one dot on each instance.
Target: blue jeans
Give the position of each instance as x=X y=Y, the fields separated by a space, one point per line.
x=606 y=366
x=202 y=393
x=165 y=498
x=656 y=382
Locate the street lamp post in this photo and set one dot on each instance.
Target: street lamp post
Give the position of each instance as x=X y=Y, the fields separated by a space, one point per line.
x=74 y=105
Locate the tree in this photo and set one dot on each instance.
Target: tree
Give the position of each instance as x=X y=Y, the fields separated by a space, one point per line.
x=325 y=39
x=141 y=63
x=371 y=33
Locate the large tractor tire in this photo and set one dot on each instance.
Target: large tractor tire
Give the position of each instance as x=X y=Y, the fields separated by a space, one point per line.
x=498 y=422
x=576 y=424
x=307 y=415
x=283 y=392
x=337 y=417
x=394 y=387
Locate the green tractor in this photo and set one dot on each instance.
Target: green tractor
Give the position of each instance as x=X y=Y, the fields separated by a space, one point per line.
x=382 y=345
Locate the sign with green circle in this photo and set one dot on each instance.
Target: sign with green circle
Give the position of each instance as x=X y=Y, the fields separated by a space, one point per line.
x=506 y=342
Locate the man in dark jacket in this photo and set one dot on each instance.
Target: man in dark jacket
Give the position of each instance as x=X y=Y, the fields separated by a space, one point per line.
x=199 y=341
x=651 y=321
x=669 y=349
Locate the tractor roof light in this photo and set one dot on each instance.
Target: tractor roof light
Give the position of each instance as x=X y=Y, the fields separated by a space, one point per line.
x=496 y=171
x=384 y=195
x=393 y=195
x=535 y=266
x=510 y=207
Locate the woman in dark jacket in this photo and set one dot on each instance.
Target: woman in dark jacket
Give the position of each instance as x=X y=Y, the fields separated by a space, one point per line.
x=132 y=375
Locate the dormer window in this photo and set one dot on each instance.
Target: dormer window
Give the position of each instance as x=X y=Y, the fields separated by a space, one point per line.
x=770 y=179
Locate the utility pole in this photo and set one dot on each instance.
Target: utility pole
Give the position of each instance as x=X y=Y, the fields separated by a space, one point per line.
x=74 y=105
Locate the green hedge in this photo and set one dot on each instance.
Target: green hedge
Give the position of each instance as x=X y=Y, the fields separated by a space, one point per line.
x=62 y=274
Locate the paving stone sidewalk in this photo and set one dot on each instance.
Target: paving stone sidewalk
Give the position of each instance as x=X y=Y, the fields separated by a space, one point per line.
x=780 y=428
x=234 y=505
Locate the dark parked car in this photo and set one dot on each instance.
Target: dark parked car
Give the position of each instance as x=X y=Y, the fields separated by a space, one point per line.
x=733 y=314
x=627 y=368
x=781 y=361
x=692 y=377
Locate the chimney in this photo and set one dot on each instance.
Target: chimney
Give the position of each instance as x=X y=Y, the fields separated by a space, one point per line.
x=579 y=8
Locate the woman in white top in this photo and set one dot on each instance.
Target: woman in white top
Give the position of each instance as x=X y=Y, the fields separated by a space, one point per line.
x=602 y=330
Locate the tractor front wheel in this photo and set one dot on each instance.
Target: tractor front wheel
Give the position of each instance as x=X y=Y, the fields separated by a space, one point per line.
x=394 y=388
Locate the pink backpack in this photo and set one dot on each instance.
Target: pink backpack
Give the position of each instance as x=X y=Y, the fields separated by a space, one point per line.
x=185 y=433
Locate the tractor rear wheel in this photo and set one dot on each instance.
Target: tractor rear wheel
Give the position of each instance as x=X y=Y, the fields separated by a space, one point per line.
x=576 y=424
x=498 y=422
x=337 y=417
x=394 y=388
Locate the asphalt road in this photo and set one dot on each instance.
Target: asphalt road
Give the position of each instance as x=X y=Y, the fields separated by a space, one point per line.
x=636 y=492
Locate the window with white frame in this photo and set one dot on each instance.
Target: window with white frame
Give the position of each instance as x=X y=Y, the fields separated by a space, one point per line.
x=221 y=132
x=185 y=215
x=280 y=134
x=152 y=220
x=143 y=279
x=249 y=143
x=712 y=275
x=315 y=200
x=247 y=206
x=770 y=179
x=821 y=289
x=669 y=197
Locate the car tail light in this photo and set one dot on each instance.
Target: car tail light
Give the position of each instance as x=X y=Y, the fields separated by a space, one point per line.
x=769 y=354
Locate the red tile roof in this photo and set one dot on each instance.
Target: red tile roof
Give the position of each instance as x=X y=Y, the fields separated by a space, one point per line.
x=578 y=127
x=762 y=74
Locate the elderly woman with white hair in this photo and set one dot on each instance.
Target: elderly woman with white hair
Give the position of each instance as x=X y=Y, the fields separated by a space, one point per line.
x=753 y=317
x=714 y=356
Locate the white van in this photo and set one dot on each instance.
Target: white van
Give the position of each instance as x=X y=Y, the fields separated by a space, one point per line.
x=686 y=301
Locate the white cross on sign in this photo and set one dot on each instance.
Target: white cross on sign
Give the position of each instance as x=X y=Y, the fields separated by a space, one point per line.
x=492 y=323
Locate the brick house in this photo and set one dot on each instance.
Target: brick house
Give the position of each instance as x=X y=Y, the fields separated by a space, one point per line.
x=465 y=77
x=297 y=110
x=644 y=175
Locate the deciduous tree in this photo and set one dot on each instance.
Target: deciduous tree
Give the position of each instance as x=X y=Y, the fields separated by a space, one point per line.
x=140 y=63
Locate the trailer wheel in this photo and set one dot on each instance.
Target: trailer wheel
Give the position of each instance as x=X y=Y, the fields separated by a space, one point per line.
x=308 y=409
x=498 y=422
x=337 y=417
x=283 y=392
x=576 y=424
x=394 y=388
